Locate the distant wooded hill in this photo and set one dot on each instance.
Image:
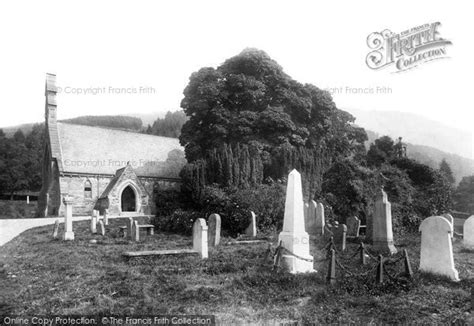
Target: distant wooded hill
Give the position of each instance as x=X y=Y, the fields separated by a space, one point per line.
x=108 y=121
x=415 y=129
x=461 y=166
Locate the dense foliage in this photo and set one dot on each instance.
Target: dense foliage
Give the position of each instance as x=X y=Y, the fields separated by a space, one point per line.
x=232 y=204
x=20 y=161
x=415 y=190
x=249 y=124
x=169 y=126
x=250 y=101
x=464 y=195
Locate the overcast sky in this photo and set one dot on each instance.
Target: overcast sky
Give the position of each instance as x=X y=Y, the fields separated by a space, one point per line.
x=152 y=47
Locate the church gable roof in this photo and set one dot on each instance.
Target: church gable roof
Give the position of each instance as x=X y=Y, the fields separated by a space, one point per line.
x=96 y=150
x=112 y=183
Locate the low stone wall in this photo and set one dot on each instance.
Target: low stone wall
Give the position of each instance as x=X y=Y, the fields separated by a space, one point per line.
x=10 y=228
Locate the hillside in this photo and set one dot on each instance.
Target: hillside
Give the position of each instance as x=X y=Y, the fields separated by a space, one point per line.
x=415 y=129
x=461 y=166
x=25 y=128
x=109 y=121
x=128 y=119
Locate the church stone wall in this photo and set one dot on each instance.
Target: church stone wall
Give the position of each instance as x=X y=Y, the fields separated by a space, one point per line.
x=73 y=185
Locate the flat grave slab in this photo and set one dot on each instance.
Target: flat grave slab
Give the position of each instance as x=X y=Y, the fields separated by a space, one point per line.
x=159 y=252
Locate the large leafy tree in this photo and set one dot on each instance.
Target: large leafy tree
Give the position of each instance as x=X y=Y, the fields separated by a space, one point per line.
x=250 y=100
x=381 y=151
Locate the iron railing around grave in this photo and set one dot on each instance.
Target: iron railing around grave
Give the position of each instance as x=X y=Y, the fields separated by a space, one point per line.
x=335 y=258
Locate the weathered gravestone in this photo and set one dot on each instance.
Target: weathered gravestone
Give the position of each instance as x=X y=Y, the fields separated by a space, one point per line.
x=368 y=228
x=106 y=217
x=450 y=219
x=305 y=210
x=353 y=226
x=200 y=237
x=436 y=247
x=382 y=234
x=296 y=257
x=68 y=233
x=320 y=220
x=136 y=234
x=93 y=224
x=130 y=228
x=101 y=227
x=310 y=219
x=468 y=232
x=214 y=230
x=339 y=236
x=56 y=229
x=251 y=230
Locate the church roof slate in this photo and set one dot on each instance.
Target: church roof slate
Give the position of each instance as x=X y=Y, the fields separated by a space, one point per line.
x=98 y=150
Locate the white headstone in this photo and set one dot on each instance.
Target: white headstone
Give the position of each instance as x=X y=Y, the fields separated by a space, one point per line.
x=382 y=234
x=468 y=232
x=353 y=226
x=101 y=227
x=214 y=230
x=136 y=234
x=436 y=247
x=320 y=220
x=200 y=237
x=106 y=217
x=68 y=233
x=251 y=230
x=93 y=224
x=293 y=236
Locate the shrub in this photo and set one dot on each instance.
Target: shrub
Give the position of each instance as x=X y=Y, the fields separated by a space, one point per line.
x=180 y=221
x=267 y=201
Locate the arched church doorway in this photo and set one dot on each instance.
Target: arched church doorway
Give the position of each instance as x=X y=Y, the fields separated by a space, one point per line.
x=128 y=200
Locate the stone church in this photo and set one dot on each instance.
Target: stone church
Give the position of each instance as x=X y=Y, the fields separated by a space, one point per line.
x=103 y=168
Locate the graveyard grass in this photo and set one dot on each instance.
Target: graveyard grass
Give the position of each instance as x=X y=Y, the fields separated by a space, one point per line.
x=39 y=275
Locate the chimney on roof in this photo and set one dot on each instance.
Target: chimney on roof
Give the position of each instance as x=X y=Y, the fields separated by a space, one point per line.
x=50 y=94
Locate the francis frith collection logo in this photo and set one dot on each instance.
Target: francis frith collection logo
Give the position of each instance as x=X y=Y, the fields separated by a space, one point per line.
x=406 y=50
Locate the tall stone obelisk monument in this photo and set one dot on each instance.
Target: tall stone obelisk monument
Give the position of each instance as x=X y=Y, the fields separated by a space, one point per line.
x=293 y=236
